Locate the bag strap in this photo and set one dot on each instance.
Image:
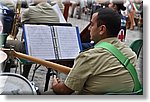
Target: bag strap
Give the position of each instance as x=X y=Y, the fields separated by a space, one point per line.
x=125 y=61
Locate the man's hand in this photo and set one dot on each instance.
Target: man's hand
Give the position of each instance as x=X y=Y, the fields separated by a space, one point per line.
x=59 y=87
x=55 y=81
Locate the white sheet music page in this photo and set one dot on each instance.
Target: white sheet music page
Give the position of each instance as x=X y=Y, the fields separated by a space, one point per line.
x=67 y=42
x=59 y=13
x=39 y=41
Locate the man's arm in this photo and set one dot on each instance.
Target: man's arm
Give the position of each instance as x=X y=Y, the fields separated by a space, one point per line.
x=60 y=88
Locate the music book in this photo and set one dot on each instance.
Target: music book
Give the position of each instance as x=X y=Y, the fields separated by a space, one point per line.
x=52 y=42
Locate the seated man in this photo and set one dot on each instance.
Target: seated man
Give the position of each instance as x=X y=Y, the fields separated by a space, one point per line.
x=97 y=71
x=41 y=12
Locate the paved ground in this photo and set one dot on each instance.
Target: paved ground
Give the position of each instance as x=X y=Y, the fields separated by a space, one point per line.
x=40 y=75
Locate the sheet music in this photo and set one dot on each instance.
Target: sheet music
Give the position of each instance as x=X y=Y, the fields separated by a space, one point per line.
x=67 y=42
x=39 y=41
x=59 y=13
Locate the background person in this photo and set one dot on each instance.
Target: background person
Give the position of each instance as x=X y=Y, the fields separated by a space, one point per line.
x=41 y=12
x=118 y=7
x=7 y=18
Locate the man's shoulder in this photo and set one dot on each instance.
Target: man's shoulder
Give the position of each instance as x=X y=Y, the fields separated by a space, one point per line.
x=41 y=6
x=93 y=52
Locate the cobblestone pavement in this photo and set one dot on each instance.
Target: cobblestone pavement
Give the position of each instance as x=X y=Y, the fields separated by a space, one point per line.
x=40 y=75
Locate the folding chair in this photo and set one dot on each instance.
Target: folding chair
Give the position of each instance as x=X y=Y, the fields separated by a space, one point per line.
x=136 y=46
x=3 y=38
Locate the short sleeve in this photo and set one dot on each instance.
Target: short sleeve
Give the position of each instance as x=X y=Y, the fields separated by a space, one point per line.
x=79 y=73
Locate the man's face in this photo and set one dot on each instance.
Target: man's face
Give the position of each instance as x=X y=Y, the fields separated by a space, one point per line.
x=94 y=30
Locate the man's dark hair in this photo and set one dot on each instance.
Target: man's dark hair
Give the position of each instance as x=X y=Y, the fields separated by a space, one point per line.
x=110 y=19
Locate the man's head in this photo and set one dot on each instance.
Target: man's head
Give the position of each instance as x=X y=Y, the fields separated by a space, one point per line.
x=104 y=23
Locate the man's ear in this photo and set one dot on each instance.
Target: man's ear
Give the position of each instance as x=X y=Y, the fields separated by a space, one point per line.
x=102 y=29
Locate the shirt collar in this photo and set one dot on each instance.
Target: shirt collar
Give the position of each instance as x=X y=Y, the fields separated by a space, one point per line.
x=109 y=40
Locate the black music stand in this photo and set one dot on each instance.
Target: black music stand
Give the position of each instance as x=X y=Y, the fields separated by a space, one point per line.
x=68 y=62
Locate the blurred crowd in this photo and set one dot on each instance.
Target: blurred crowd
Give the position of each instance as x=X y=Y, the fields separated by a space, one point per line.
x=133 y=11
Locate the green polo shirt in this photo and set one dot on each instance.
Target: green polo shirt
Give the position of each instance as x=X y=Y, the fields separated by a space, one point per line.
x=97 y=71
